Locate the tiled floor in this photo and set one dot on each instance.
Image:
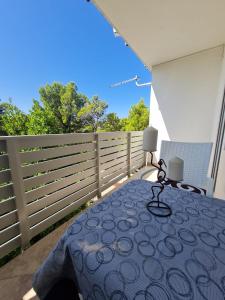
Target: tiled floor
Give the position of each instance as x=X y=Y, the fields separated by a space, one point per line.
x=16 y=276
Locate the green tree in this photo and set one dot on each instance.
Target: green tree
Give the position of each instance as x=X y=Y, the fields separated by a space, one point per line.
x=138 y=117
x=62 y=109
x=111 y=123
x=123 y=123
x=13 y=121
x=41 y=120
x=63 y=103
x=91 y=114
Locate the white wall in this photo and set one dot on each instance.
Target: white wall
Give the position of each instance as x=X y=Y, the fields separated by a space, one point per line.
x=184 y=94
x=185 y=101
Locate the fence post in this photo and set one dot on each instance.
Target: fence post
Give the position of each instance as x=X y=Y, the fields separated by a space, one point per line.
x=145 y=159
x=145 y=154
x=97 y=139
x=19 y=191
x=129 y=153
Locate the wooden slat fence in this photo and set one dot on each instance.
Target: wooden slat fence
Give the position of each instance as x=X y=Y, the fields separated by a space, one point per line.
x=44 y=178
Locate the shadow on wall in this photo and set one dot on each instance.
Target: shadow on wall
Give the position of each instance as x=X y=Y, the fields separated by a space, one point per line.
x=158 y=122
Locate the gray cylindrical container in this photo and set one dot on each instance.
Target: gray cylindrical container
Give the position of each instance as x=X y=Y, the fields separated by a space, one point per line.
x=150 y=136
x=176 y=169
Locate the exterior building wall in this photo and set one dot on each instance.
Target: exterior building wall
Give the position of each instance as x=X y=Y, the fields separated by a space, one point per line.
x=186 y=98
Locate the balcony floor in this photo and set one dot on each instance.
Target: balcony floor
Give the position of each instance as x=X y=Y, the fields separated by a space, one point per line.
x=16 y=276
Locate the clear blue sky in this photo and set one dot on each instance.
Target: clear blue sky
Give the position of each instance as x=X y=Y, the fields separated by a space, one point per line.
x=42 y=41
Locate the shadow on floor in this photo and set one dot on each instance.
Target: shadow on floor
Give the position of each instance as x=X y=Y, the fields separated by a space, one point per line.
x=63 y=290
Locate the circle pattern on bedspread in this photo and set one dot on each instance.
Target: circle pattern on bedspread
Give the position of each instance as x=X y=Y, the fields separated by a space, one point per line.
x=120 y=251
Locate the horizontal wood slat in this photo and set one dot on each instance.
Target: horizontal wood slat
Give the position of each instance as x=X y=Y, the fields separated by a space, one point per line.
x=109 y=157
x=57 y=206
x=4 y=162
x=139 y=152
x=2 y=146
x=55 y=152
x=59 y=215
x=57 y=174
x=54 y=139
x=137 y=157
x=6 y=191
x=136 y=139
x=112 y=135
x=135 y=144
x=52 y=187
x=137 y=148
x=58 y=195
x=56 y=163
x=104 y=144
x=112 y=169
x=137 y=164
x=9 y=233
x=5 y=176
x=136 y=133
x=114 y=162
x=114 y=174
x=112 y=182
x=114 y=149
x=10 y=246
x=7 y=206
x=8 y=219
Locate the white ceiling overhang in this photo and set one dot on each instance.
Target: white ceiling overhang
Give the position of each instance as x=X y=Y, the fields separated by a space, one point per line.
x=164 y=30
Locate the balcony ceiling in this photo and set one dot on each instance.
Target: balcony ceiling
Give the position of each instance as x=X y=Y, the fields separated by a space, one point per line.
x=160 y=30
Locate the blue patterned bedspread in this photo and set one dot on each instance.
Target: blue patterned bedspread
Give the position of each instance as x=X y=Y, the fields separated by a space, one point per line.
x=118 y=250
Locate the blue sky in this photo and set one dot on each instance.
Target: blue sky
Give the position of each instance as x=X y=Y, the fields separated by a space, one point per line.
x=64 y=40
